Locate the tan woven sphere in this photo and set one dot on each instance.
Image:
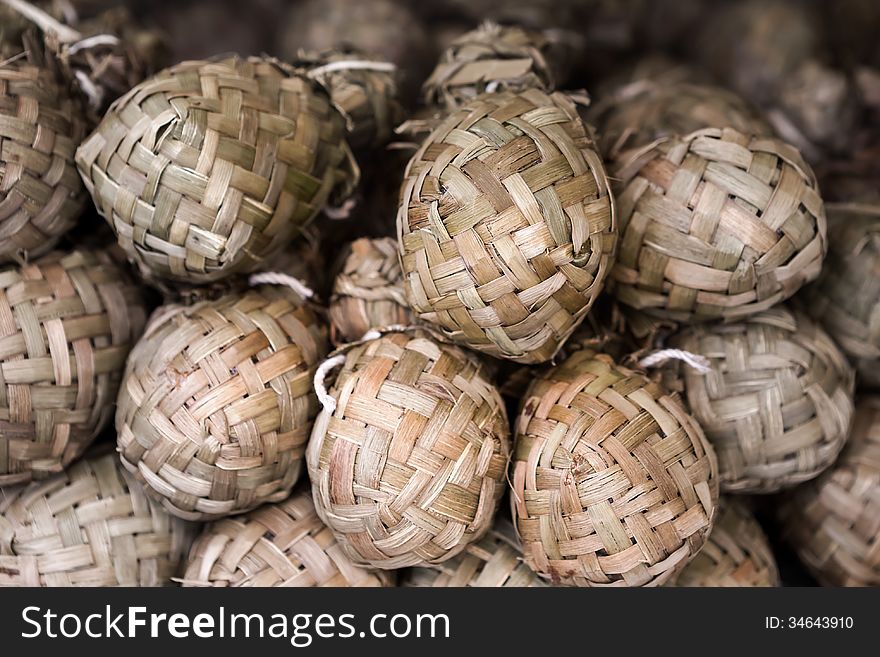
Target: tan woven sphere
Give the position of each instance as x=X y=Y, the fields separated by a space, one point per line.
x=92 y=525
x=846 y=298
x=409 y=467
x=67 y=323
x=210 y=167
x=715 y=224
x=614 y=483
x=41 y=194
x=507 y=225
x=737 y=553
x=495 y=561
x=368 y=290
x=283 y=544
x=777 y=403
x=833 y=522
x=217 y=402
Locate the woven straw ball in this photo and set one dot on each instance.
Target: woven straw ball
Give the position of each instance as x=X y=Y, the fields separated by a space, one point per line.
x=92 y=525
x=217 y=402
x=846 y=298
x=737 y=553
x=495 y=561
x=67 y=323
x=368 y=290
x=833 y=522
x=507 y=225
x=41 y=194
x=777 y=403
x=614 y=483
x=283 y=544
x=210 y=167
x=409 y=467
x=715 y=224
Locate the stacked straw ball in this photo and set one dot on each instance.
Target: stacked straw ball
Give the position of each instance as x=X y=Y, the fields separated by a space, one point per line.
x=777 y=402
x=407 y=462
x=217 y=402
x=507 y=225
x=283 y=544
x=614 y=483
x=210 y=167
x=67 y=323
x=91 y=525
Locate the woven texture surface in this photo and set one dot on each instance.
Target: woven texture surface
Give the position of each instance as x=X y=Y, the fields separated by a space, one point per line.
x=846 y=298
x=41 y=194
x=715 y=224
x=368 y=290
x=833 y=522
x=495 y=561
x=89 y=526
x=283 y=544
x=209 y=167
x=737 y=553
x=217 y=402
x=777 y=404
x=410 y=466
x=67 y=323
x=506 y=226
x=613 y=482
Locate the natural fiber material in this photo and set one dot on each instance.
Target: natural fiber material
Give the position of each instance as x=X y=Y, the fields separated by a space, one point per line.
x=89 y=526
x=208 y=168
x=846 y=299
x=737 y=553
x=67 y=323
x=409 y=468
x=283 y=544
x=495 y=561
x=614 y=483
x=834 y=522
x=41 y=195
x=715 y=224
x=490 y=58
x=777 y=404
x=507 y=226
x=217 y=402
x=368 y=290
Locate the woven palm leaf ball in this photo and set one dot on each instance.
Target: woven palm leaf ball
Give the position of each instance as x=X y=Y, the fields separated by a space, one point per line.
x=408 y=468
x=715 y=224
x=217 y=401
x=507 y=226
x=777 y=403
x=283 y=544
x=210 y=167
x=614 y=483
x=91 y=525
x=833 y=522
x=846 y=298
x=737 y=553
x=495 y=561
x=368 y=290
x=67 y=323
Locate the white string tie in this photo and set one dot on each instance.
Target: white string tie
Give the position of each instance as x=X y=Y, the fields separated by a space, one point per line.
x=327 y=400
x=700 y=363
x=278 y=278
x=351 y=65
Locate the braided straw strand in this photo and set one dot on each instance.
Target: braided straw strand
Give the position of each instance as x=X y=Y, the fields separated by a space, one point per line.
x=614 y=483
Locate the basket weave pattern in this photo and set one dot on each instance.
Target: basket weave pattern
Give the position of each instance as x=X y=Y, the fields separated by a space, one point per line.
x=506 y=226
x=217 y=401
x=410 y=466
x=715 y=225
x=89 y=526
x=283 y=544
x=67 y=323
x=613 y=482
x=777 y=404
x=209 y=167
